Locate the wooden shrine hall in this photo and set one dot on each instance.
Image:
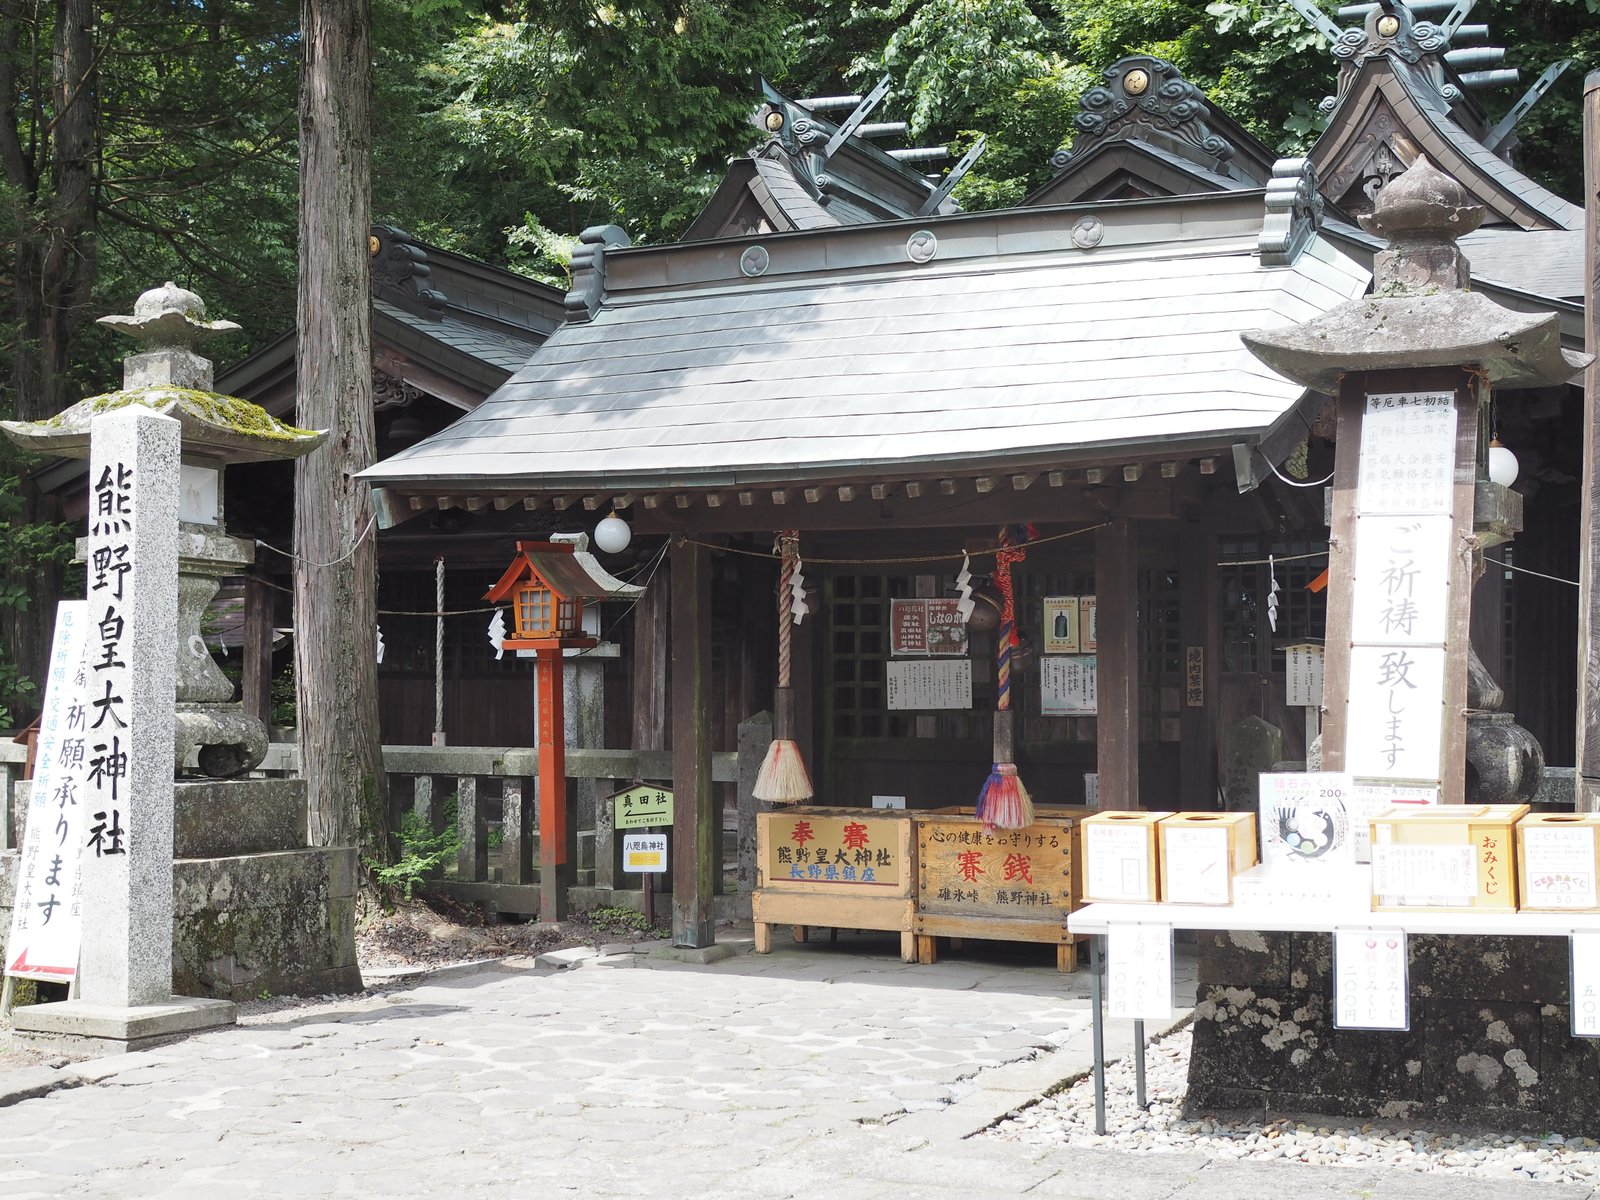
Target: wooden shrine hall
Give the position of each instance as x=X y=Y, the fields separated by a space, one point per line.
x=840 y=352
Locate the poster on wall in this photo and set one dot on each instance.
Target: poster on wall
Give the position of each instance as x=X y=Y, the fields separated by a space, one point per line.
x=1305 y=819
x=1068 y=686
x=922 y=628
x=930 y=684
x=1061 y=616
x=1088 y=629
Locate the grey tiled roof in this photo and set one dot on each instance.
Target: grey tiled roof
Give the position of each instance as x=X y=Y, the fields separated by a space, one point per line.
x=860 y=367
x=499 y=347
x=1544 y=261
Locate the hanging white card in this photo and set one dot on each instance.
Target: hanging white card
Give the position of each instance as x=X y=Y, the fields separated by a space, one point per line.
x=1139 y=972
x=1369 y=979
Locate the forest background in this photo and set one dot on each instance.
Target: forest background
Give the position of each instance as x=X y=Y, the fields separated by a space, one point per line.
x=145 y=140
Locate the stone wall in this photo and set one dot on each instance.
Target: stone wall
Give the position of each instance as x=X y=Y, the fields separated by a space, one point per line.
x=1488 y=1044
x=254 y=909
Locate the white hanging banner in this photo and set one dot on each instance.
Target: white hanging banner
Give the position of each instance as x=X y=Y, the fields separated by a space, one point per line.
x=1586 y=984
x=1139 y=972
x=46 y=924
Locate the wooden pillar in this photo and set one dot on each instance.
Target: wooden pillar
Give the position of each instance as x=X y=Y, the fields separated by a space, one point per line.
x=1202 y=653
x=256 y=687
x=1116 y=587
x=550 y=670
x=650 y=663
x=1336 y=683
x=1588 y=757
x=696 y=830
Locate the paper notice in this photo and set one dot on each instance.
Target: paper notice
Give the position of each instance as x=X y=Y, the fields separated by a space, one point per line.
x=1425 y=876
x=1118 y=860
x=1139 y=972
x=1560 y=866
x=1369 y=979
x=1197 y=866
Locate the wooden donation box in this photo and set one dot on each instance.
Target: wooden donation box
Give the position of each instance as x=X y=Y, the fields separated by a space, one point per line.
x=835 y=868
x=1201 y=852
x=1448 y=856
x=1558 y=860
x=1010 y=885
x=1121 y=857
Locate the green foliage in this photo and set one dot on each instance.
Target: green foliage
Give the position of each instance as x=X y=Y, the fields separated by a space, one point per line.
x=423 y=854
x=283 y=696
x=625 y=922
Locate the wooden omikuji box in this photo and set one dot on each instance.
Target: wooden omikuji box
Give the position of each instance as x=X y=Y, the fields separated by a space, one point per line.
x=1457 y=857
x=1558 y=862
x=1121 y=857
x=1201 y=852
x=1010 y=885
x=834 y=868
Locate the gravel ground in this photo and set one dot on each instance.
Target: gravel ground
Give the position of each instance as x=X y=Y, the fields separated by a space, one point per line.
x=1067 y=1119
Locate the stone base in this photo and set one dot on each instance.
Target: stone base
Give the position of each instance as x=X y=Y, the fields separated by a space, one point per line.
x=699 y=956
x=76 y=1027
x=1489 y=1043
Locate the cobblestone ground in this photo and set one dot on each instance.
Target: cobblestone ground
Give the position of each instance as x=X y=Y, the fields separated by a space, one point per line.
x=817 y=1072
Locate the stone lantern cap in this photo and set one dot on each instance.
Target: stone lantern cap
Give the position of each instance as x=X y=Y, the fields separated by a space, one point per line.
x=168 y=316
x=225 y=428
x=1419 y=313
x=169 y=378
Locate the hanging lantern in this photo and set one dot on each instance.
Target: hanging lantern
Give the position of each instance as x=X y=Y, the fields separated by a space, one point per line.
x=612 y=535
x=1503 y=464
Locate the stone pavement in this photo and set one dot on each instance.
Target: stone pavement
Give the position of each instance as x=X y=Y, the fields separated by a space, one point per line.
x=818 y=1071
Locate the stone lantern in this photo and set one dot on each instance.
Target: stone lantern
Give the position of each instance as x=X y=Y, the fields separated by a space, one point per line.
x=214 y=734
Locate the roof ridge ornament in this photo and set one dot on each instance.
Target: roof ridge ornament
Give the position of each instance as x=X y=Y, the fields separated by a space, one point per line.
x=400 y=272
x=1294 y=212
x=1143 y=95
x=589 y=270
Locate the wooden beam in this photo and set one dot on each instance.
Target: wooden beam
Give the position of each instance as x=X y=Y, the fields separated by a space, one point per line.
x=591 y=503
x=530 y=503
x=1021 y=483
x=697 y=827
x=1169 y=470
x=780 y=495
x=1056 y=478
x=256 y=685
x=511 y=500
x=985 y=484
x=947 y=487
x=812 y=494
x=1588 y=744
x=683 y=500
x=1132 y=472
x=847 y=493
x=914 y=489
x=652 y=501
x=1208 y=466
x=562 y=503
x=1116 y=586
x=1201 y=640
x=446 y=503
x=418 y=503
x=1094 y=475
x=475 y=503
x=624 y=500
x=713 y=499
x=880 y=491
x=746 y=499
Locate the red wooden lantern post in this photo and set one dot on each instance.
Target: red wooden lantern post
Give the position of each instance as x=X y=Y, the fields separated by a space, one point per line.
x=547 y=586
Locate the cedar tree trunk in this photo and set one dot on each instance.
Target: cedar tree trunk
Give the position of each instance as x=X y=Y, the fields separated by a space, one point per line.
x=335 y=604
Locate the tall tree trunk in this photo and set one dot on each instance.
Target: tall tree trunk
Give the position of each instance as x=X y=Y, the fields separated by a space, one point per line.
x=47 y=152
x=335 y=604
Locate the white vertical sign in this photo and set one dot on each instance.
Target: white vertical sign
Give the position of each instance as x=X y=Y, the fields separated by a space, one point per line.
x=1400 y=600
x=1139 y=972
x=1585 y=998
x=1370 y=980
x=46 y=924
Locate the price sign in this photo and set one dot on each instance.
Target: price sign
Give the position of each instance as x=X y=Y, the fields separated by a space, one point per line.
x=1369 y=979
x=1139 y=972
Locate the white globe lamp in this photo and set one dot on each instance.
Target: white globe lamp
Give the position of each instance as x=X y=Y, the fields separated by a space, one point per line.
x=1502 y=464
x=612 y=535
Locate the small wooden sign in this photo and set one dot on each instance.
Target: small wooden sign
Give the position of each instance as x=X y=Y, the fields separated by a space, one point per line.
x=1304 y=674
x=965 y=869
x=926 y=628
x=643 y=807
x=1194 y=677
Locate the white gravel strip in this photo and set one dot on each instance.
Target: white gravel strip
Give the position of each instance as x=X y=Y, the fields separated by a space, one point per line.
x=1067 y=1119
